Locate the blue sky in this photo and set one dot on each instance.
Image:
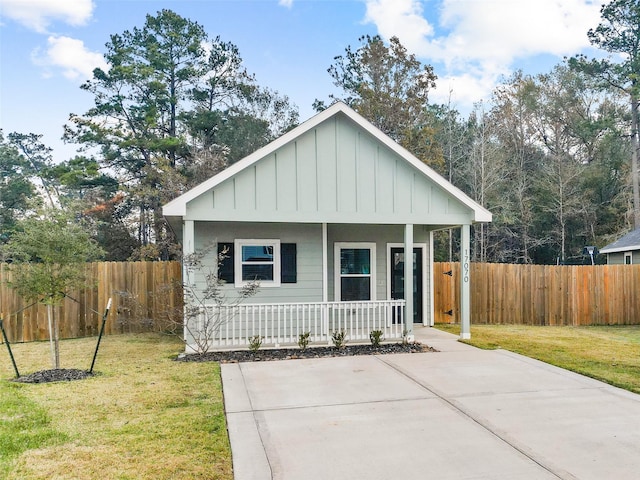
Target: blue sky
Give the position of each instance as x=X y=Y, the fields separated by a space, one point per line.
x=49 y=47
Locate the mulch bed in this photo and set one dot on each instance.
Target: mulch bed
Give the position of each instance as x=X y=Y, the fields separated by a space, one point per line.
x=54 y=375
x=235 y=356
x=268 y=354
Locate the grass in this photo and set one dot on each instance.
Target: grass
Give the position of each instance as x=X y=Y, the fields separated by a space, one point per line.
x=143 y=416
x=607 y=353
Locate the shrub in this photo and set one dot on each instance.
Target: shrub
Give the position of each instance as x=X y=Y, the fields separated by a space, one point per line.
x=339 y=338
x=255 y=343
x=303 y=340
x=376 y=337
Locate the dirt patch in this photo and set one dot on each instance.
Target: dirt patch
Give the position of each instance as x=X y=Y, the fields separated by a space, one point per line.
x=269 y=354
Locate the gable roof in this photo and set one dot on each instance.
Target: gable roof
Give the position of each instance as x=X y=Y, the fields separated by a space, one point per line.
x=178 y=206
x=630 y=241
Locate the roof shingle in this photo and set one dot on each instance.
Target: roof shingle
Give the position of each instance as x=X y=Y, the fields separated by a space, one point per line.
x=630 y=241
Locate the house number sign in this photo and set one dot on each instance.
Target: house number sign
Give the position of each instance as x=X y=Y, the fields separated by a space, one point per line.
x=465 y=266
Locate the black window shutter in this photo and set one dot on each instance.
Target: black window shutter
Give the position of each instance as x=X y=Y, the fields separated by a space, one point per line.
x=225 y=265
x=288 y=263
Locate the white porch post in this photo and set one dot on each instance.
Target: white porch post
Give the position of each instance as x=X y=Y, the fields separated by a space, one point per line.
x=188 y=247
x=408 y=279
x=188 y=237
x=325 y=282
x=432 y=308
x=325 y=264
x=465 y=289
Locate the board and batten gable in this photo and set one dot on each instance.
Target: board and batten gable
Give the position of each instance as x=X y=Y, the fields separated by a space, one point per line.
x=335 y=172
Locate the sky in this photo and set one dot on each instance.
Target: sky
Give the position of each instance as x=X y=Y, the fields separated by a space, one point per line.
x=48 y=48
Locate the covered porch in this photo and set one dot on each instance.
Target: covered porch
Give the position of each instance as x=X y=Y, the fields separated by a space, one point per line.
x=353 y=286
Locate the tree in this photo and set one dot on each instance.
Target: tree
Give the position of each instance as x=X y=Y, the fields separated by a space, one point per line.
x=80 y=179
x=619 y=35
x=15 y=187
x=389 y=87
x=36 y=158
x=157 y=108
x=516 y=135
x=485 y=180
x=207 y=306
x=48 y=255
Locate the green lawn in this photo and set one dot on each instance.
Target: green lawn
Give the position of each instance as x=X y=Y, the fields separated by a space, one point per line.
x=607 y=353
x=147 y=417
x=143 y=417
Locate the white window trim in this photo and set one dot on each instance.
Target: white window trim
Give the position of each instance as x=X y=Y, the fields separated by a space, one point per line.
x=239 y=243
x=628 y=255
x=336 y=270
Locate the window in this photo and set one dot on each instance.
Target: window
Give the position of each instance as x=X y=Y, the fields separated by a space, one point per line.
x=227 y=264
x=628 y=258
x=355 y=271
x=257 y=260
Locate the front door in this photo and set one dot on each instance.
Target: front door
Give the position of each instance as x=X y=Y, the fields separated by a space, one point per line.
x=397 y=279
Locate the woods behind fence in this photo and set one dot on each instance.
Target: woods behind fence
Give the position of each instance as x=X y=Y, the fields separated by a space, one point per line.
x=147 y=296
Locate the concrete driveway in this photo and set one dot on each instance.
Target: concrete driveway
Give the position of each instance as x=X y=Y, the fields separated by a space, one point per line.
x=460 y=413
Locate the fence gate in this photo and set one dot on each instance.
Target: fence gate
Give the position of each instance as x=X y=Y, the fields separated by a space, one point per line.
x=446 y=295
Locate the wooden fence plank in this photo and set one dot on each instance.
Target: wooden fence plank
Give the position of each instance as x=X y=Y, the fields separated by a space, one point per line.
x=542 y=295
x=155 y=285
x=500 y=294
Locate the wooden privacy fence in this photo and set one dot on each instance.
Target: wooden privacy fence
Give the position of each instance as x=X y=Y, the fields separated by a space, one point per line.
x=541 y=294
x=143 y=295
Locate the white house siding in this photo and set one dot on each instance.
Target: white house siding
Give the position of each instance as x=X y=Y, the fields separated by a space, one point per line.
x=618 y=258
x=308 y=240
x=335 y=172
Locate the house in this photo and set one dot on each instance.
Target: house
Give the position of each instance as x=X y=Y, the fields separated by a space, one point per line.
x=625 y=250
x=323 y=217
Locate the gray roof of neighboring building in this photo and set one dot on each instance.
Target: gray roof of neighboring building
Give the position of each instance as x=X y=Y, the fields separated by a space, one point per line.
x=631 y=241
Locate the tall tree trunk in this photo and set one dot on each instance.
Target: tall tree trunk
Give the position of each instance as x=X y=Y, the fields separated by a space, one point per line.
x=56 y=337
x=51 y=340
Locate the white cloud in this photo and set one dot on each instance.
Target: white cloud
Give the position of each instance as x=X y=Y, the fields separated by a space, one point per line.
x=38 y=14
x=477 y=42
x=462 y=91
x=401 y=18
x=71 y=56
x=285 y=3
x=500 y=30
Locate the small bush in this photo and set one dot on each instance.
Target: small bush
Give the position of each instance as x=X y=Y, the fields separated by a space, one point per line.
x=376 y=337
x=339 y=338
x=255 y=343
x=303 y=340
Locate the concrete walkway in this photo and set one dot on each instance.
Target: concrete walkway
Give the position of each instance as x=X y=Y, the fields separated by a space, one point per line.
x=461 y=413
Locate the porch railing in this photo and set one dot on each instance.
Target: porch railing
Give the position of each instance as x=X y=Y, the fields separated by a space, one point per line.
x=280 y=324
